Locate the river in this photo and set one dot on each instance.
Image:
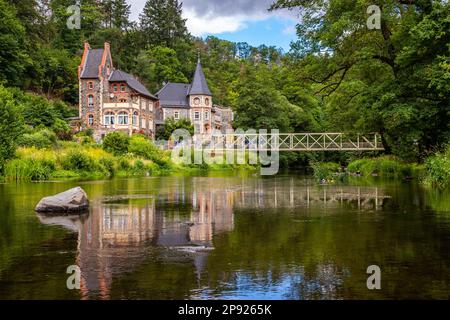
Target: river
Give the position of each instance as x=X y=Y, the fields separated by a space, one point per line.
x=227 y=237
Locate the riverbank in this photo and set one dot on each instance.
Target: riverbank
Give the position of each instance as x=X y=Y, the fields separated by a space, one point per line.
x=435 y=172
x=85 y=159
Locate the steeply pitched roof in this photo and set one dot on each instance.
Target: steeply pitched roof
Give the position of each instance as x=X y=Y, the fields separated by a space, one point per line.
x=93 y=61
x=121 y=76
x=174 y=95
x=199 y=84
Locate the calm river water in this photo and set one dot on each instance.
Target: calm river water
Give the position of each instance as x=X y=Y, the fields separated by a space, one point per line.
x=227 y=237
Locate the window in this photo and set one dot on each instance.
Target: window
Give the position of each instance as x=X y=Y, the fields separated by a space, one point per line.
x=90 y=85
x=196 y=115
x=135 y=118
x=115 y=88
x=122 y=88
x=206 y=115
x=122 y=100
x=90 y=101
x=123 y=118
x=197 y=101
x=110 y=118
x=176 y=115
x=207 y=101
x=90 y=120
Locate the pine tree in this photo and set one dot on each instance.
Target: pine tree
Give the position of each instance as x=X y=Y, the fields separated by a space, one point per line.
x=120 y=14
x=162 y=23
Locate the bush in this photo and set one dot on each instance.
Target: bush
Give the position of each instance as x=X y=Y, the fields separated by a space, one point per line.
x=438 y=170
x=78 y=160
x=116 y=143
x=62 y=130
x=386 y=166
x=107 y=164
x=40 y=139
x=10 y=126
x=141 y=146
x=325 y=170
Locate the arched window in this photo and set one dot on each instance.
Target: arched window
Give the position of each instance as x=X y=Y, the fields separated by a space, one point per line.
x=90 y=101
x=135 y=118
x=90 y=120
x=110 y=118
x=122 y=118
x=196 y=101
x=122 y=88
x=207 y=101
x=90 y=85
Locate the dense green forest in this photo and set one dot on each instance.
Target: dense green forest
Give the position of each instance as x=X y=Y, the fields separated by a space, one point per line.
x=338 y=76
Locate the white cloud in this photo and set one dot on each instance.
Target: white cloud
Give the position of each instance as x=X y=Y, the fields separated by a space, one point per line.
x=219 y=16
x=212 y=24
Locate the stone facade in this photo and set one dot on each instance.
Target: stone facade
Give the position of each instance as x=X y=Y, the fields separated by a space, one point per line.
x=193 y=101
x=112 y=100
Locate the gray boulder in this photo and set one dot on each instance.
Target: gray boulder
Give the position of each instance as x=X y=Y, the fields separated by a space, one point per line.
x=71 y=201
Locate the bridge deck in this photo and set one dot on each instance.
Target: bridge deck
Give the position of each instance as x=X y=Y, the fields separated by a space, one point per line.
x=293 y=142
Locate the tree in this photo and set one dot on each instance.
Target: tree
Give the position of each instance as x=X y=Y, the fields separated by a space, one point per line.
x=389 y=80
x=258 y=105
x=158 y=65
x=13 y=58
x=116 y=14
x=161 y=23
x=170 y=125
x=10 y=126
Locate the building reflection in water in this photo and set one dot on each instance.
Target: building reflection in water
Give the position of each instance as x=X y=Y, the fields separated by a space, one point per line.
x=118 y=237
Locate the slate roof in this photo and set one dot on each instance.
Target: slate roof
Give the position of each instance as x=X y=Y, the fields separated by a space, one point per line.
x=174 y=95
x=199 y=84
x=121 y=76
x=93 y=61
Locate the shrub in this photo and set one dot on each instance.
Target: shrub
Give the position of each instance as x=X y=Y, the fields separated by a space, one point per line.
x=116 y=143
x=124 y=164
x=107 y=164
x=78 y=160
x=62 y=130
x=10 y=126
x=438 y=170
x=141 y=146
x=40 y=139
x=325 y=170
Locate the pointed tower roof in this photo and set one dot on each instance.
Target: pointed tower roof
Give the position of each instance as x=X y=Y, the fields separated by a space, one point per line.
x=199 y=84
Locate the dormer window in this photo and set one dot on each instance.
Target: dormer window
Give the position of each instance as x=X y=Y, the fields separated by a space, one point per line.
x=90 y=85
x=115 y=88
x=122 y=88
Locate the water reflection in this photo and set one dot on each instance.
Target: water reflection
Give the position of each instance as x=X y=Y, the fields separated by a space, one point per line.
x=124 y=232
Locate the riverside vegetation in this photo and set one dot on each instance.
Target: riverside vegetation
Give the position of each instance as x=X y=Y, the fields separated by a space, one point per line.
x=394 y=81
x=434 y=172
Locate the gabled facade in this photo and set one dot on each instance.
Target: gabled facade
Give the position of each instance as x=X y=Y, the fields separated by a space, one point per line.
x=111 y=99
x=192 y=101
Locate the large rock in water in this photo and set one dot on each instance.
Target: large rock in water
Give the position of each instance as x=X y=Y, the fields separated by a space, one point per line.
x=71 y=201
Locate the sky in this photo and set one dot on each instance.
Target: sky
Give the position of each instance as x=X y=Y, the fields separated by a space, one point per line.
x=235 y=20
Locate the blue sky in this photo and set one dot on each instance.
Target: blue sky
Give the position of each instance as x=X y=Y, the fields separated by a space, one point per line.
x=236 y=20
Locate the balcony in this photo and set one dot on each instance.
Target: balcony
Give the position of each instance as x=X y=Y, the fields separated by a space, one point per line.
x=121 y=105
